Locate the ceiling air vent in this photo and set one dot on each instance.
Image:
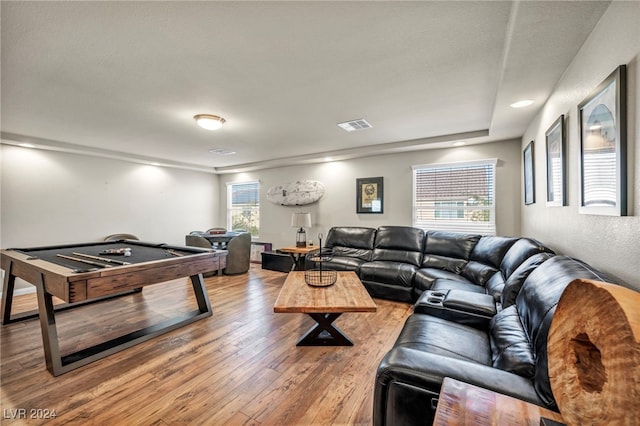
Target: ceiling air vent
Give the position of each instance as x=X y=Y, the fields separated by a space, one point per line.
x=222 y=151
x=352 y=125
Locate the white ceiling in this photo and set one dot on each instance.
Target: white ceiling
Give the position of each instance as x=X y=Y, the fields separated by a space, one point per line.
x=124 y=79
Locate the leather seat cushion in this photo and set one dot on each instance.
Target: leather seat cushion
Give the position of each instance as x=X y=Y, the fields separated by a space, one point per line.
x=394 y=273
x=510 y=347
x=446 y=338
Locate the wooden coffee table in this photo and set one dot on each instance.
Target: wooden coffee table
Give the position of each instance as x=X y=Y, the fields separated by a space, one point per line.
x=324 y=305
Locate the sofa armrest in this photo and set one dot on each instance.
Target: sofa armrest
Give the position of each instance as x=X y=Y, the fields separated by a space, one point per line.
x=408 y=380
x=463 y=307
x=474 y=303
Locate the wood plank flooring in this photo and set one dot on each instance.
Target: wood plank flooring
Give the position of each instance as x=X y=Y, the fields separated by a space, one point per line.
x=238 y=367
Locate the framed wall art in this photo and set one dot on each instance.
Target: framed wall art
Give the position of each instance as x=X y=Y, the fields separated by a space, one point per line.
x=556 y=157
x=370 y=195
x=529 y=175
x=603 y=147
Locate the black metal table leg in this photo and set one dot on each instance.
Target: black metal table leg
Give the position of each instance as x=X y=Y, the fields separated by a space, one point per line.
x=324 y=333
x=59 y=364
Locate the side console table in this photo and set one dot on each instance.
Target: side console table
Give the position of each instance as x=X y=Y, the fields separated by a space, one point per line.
x=463 y=404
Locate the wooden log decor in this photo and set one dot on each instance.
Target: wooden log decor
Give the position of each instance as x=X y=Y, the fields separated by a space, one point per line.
x=594 y=354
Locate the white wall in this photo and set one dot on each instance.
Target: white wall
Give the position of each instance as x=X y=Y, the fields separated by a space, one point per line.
x=53 y=198
x=338 y=206
x=608 y=243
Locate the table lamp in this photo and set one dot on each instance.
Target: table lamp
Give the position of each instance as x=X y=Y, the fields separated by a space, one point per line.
x=301 y=221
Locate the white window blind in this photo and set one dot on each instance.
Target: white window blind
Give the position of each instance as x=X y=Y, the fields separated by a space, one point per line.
x=457 y=197
x=243 y=207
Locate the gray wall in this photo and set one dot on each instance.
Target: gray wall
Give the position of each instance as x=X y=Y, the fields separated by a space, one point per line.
x=611 y=244
x=338 y=206
x=53 y=198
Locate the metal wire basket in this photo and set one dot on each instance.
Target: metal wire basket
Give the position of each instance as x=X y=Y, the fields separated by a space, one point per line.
x=320 y=277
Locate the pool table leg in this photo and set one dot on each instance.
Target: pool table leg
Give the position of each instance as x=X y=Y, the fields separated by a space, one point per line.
x=200 y=291
x=50 y=344
x=7 y=293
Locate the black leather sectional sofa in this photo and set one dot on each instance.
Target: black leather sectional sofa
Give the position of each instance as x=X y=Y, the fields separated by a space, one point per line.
x=401 y=263
x=483 y=306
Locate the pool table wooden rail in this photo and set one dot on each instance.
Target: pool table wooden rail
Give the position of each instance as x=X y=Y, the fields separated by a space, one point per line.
x=73 y=287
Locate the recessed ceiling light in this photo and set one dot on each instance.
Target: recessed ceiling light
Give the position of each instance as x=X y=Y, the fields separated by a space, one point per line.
x=352 y=125
x=221 y=151
x=209 y=121
x=521 y=104
x=459 y=143
x=27 y=145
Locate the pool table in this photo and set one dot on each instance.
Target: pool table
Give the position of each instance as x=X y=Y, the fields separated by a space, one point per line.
x=86 y=273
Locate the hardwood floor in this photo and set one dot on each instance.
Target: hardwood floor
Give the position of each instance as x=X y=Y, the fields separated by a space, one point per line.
x=239 y=367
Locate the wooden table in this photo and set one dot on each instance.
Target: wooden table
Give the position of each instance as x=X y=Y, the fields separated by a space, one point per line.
x=53 y=272
x=220 y=239
x=462 y=404
x=299 y=255
x=324 y=305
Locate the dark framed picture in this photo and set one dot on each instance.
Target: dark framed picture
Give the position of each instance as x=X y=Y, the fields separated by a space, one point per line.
x=529 y=175
x=370 y=195
x=603 y=147
x=556 y=157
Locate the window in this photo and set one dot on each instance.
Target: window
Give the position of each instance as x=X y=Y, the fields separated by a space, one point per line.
x=441 y=212
x=455 y=197
x=243 y=207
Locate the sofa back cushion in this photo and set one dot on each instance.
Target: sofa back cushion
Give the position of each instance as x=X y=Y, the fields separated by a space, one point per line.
x=521 y=250
x=351 y=241
x=510 y=346
x=479 y=273
x=491 y=249
x=398 y=244
x=516 y=279
x=448 y=250
x=536 y=304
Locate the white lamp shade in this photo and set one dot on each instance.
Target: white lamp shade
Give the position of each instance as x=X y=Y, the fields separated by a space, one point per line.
x=301 y=220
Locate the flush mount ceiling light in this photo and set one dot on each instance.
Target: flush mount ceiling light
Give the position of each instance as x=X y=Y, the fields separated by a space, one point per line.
x=521 y=104
x=209 y=121
x=352 y=125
